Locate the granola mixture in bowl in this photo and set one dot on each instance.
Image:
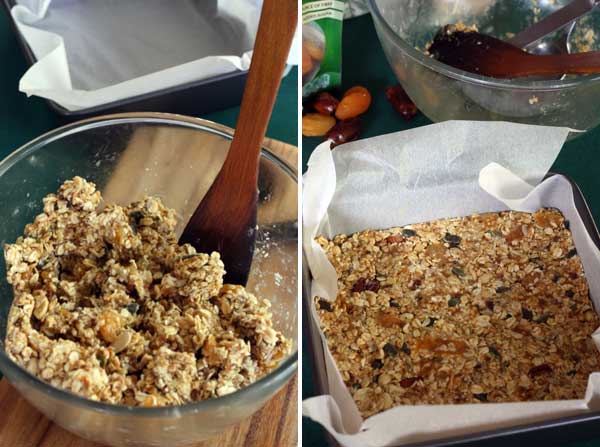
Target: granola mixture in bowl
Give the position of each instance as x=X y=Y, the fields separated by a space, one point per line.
x=108 y=306
x=490 y=307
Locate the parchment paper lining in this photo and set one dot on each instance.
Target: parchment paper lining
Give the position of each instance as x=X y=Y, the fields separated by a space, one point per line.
x=93 y=52
x=443 y=170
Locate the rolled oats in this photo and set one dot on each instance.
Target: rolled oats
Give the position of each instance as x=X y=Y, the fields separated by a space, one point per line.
x=485 y=308
x=108 y=305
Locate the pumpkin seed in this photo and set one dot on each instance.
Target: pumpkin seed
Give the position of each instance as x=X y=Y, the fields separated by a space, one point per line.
x=571 y=253
x=132 y=308
x=502 y=289
x=453 y=302
x=407 y=232
x=481 y=397
x=543 y=319
x=452 y=239
x=101 y=359
x=458 y=271
x=527 y=314
x=325 y=305
x=390 y=350
x=494 y=233
x=405 y=349
x=377 y=364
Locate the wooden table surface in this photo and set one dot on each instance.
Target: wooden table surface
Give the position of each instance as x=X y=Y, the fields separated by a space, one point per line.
x=276 y=424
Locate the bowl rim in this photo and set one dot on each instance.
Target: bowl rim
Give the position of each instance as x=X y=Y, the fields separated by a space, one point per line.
x=277 y=377
x=471 y=78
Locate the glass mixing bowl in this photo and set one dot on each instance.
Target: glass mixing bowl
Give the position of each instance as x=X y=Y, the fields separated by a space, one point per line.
x=175 y=158
x=443 y=93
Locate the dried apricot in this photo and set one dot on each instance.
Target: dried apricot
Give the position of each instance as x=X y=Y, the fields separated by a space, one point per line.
x=316 y=125
x=356 y=101
x=109 y=325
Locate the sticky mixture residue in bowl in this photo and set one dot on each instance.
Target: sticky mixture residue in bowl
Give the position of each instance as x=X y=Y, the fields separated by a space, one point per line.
x=108 y=305
x=490 y=307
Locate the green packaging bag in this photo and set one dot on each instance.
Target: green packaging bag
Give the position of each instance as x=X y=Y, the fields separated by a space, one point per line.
x=321 y=45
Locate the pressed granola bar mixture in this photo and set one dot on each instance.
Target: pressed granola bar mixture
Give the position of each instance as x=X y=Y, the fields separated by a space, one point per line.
x=486 y=308
x=108 y=305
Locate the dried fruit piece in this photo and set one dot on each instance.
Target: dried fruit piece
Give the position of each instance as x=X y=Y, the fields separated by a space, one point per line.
x=325 y=103
x=409 y=381
x=388 y=319
x=109 y=325
x=344 y=131
x=355 y=102
x=515 y=235
x=366 y=284
x=405 y=349
x=394 y=239
x=401 y=102
x=316 y=125
x=544 y=368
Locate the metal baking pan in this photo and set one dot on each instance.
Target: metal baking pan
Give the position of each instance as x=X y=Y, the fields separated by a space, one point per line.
x=548 y=433
x=193 y=98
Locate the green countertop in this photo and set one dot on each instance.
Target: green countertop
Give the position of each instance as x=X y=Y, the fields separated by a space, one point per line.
x=364 y=64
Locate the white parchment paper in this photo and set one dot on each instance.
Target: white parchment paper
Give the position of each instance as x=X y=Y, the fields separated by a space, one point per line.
x=94 y=52
x=449 y=169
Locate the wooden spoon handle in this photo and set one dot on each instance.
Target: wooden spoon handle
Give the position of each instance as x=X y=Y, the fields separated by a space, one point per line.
x=268 y=63
x=577 y=63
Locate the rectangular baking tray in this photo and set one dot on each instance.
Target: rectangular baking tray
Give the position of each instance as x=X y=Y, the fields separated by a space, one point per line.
x=552 y=432
x=192 y=98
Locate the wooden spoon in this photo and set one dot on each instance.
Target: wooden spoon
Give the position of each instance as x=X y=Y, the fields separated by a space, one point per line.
x=225 y=220
x=485 y=55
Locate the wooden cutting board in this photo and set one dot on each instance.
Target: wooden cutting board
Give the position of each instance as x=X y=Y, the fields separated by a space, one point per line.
x=276 y=424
